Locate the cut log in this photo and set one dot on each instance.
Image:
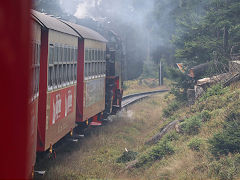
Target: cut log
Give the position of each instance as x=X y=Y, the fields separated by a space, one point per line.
x=233 y=79
x=199 y=69
x=155 y=139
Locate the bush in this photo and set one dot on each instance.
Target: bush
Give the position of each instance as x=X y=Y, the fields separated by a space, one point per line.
x=195 y=143
x=182 y=82
x=205 y=115
x=228 y=140
x=191 y=125
x=172 y=107
x=171 y=136
x=226 y=167
x=213 y=91
x=162 y=149
x=127 y=156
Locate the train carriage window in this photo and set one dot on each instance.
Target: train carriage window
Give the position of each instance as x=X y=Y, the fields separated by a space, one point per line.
x=96 y=71
x=50 y=58
x=50 y=76
x=37 y=73
x=55 y=54
x=38 y=60
x=99 y=68
x=69 y=73
x=72 y=73
x=35 y=53
x=76 y=55
x=99 y=55
x=56 y=75
x=60 y=74
x=92 y=55
x=104 y=55
x=86 y=54
x=93 y=69
x=64 y=74
x=72 y=55
x=86 y=69
x=75 y=72
x=68 y=55
x=89 y=55
x=95 y=57
x=65 y=54
x=90 y=69
x=59 y=54
x=104 y=67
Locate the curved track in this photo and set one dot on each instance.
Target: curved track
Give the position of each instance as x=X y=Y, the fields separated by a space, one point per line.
x=66 y=141
x=132 y=98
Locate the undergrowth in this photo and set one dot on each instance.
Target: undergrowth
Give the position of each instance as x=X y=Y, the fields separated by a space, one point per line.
x=207 y=142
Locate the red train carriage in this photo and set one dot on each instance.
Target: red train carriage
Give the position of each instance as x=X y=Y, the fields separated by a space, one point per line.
x=58 y=79
x=91 y=75
x=15 y=62
x=35 y=70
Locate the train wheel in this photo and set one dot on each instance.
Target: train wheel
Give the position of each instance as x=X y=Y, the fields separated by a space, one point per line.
x=52 y=153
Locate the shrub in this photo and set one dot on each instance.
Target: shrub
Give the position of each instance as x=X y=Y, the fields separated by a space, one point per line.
x=191 y=125
x=162 y=149
x=226 y=167
x=172 y=107
x=205 y=115
x=195 y=143
x=214 y=90
x=127 y=156
x=171 y=136
x=227 y=141
x=181 y=82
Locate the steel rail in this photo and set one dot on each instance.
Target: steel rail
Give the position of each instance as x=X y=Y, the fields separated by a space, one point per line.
x=132 y=98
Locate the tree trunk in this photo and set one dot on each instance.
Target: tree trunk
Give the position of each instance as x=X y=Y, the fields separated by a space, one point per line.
x=225 y=38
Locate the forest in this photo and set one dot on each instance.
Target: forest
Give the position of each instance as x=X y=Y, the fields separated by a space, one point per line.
x=204 y=141
x=171 y=31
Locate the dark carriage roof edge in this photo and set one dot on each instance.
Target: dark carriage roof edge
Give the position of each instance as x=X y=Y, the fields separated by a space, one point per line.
x=37 y=20
x=85 y=32
x=48 y=22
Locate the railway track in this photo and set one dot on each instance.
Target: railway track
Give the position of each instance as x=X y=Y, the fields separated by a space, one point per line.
x=66 y=141
x=132 y=98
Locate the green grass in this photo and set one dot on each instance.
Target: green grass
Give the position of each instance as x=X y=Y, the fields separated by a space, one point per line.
x=205 y=147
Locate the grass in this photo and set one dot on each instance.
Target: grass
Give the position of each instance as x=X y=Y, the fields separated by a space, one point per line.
x=144 y=85
x=193 y=158
x=95 y=157
x=186 y=154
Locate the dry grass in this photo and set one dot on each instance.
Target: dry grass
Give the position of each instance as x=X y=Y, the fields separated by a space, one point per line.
x=137 y=86
x=94 y=157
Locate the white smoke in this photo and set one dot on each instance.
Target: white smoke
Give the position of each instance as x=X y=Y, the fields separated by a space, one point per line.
x=84 y=6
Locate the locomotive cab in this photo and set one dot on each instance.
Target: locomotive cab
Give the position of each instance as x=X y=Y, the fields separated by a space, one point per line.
x=114 y=92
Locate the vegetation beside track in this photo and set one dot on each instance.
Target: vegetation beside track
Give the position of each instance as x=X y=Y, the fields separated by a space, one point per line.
x=141 y=85
x=95 y=156
x=205 y=145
